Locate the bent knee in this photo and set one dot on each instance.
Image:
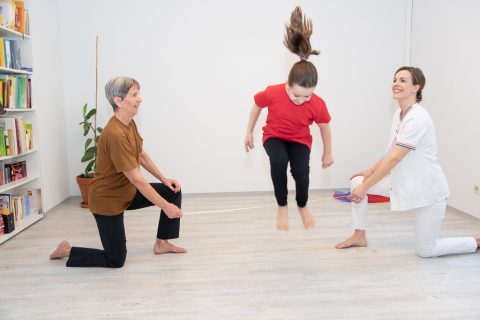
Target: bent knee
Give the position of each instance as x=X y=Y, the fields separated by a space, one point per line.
x=425 y=253
x=117 y=261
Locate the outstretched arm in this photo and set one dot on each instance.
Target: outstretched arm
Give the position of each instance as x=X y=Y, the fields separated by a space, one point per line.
x=326 y=133
x=150 y=166
x=252 y=120
x=136 y=178
x=380 y=170
x=367 y=172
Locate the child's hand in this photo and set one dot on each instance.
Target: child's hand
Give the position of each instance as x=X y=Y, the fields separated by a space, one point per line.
x=327 y=160
x=248 y=142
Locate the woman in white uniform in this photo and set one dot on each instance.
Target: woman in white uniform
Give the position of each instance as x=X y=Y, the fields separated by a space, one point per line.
x=410 y=174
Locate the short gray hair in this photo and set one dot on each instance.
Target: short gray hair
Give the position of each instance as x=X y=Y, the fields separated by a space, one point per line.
x=119 y=87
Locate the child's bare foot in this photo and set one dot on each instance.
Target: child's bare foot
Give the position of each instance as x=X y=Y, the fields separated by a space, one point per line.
x=163 y=246
x=358 y=239
x=307 y=218
x=282 y=218
x=62 y=251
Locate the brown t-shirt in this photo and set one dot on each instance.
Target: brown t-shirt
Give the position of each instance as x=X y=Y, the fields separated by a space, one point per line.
x=118 y=150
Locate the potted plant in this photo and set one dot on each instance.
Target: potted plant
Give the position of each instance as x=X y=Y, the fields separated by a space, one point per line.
x=92 y=132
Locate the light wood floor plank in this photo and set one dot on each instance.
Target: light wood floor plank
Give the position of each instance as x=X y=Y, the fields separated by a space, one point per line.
x=240 y=267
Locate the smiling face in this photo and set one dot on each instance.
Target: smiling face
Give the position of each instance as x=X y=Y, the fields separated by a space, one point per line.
x=130 y=104
x=403 y=88
x=298 y=94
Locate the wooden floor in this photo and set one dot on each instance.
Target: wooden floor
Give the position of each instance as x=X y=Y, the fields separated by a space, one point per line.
x=240 y=267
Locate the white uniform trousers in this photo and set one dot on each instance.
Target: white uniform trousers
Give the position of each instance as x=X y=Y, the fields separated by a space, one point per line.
x=428 y=221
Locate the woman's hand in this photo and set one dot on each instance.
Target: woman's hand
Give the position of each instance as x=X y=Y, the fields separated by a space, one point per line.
x=248 y=142
x=358 y=194
x=173 y=184
x=172 y=211
x=365 y=174
x=327 y=160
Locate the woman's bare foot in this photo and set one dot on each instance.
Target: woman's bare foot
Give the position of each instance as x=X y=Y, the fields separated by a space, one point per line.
x=62 y=251
x=307 y=218
x=358 y=239
x=163 y=246
x=282 y=218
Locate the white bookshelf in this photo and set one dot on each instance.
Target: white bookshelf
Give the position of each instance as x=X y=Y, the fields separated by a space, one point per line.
x=18 y=155
x=32 y=157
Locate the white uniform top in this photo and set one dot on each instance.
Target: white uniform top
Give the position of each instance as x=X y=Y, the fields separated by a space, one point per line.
x=417 y=180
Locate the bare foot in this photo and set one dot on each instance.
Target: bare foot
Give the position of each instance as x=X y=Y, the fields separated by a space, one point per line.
x=163 y=246
x=62 y=251
x=307 y=218
x=282 y=218
x=358 y=239
x=478 y=242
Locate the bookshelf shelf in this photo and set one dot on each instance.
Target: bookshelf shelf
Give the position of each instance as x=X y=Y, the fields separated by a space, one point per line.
x=17 y=183
x=14 y=71
x=12 y=34
x=14 y=110
x=31 y=219
x=18 y=155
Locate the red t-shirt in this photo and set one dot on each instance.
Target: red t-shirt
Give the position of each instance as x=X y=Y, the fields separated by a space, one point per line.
x=289 y=121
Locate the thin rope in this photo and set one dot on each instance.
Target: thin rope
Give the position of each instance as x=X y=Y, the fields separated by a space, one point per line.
x=257 y=207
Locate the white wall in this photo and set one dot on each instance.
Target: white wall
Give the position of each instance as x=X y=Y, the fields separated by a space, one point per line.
x=48 y=100
x=200 y=63
x=446 y=46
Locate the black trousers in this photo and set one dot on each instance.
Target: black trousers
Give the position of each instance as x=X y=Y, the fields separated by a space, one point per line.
x=281 y=152
x=112 y=233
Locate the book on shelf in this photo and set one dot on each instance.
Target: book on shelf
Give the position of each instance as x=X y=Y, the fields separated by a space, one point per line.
x=15 y=91
x=8 y=54
x=12 y=171
x=7 y=10
x=17 y=134
x=7 y=215
x=14 y=16
x=3 y=149
x=2 y=53
x=18 y=206
x=2 y=225
x=16 y=170
x=20 y=16
x=34 y=196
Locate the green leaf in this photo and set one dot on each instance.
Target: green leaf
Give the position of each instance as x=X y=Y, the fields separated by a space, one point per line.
x=87 y=143
x=84 y=109
x=87 y=157
x=89 y=154
x=86 y=128
x=89 y=166
x=90 y=114
x=100 y=130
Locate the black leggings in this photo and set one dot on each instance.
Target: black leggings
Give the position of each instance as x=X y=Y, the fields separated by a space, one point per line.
x=280 y=153
x=112 y=233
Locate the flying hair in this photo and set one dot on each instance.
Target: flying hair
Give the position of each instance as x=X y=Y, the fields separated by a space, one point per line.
x=297 y=35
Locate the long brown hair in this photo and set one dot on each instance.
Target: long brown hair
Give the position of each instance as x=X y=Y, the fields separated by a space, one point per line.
x=297 y=40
